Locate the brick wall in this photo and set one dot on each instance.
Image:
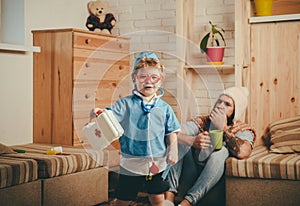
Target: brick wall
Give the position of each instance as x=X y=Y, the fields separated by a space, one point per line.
x=151 y=25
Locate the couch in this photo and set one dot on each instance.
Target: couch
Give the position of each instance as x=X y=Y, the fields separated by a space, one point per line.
x=271 y=175
x=31 y=177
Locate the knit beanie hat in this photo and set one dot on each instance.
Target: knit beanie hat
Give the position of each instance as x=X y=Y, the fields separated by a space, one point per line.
x=240 y=98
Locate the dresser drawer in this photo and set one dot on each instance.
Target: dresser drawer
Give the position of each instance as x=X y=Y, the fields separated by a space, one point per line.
x=89 y=41
x=90 y=65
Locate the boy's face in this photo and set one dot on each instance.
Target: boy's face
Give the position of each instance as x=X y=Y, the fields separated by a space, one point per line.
x=148 y=80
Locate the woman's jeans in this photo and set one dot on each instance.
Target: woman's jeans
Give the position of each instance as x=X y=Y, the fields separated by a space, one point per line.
x=196 y=178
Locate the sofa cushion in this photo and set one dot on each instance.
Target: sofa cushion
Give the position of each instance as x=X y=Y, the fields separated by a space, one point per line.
x=5 y=149
x=283 y=136
x=72 y=160
x=14 y=171
x=265 y=164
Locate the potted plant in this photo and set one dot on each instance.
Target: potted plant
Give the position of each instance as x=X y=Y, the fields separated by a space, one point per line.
x=263 y=7
x=210 y=44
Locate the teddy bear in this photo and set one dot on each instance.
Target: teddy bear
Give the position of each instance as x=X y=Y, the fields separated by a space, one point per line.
x=99 y=20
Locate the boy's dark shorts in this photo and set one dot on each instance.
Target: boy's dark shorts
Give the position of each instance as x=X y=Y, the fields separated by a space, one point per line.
x=130 y=184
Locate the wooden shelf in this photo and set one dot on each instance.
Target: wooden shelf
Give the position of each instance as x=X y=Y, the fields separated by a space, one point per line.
x=20 y=48
x=275 y=18
x=207 y=68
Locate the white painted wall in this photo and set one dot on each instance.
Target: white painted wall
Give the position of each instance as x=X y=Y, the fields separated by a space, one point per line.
x=150 y=23
x=16 y=69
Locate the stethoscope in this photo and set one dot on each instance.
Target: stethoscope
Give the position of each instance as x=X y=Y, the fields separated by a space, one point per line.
x=147 y=109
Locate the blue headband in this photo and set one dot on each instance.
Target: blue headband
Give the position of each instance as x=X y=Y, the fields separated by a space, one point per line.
x=146 y=54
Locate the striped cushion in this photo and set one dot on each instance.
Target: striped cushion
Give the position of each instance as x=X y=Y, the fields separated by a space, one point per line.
x=14 y=171
x=285 y=135
x=56 y=165
x=264 y=164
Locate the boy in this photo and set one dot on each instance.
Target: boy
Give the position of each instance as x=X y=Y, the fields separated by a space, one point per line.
x=146 y=120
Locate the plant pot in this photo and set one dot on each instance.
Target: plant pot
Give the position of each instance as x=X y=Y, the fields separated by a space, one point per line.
x=214 y=55
x=263 y=7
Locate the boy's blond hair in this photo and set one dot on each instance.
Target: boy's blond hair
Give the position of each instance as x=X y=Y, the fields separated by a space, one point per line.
x=148 y=62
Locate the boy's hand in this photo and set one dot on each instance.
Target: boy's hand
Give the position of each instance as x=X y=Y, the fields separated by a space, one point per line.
x=95 y=112
x=172 y=157
x=98 y=111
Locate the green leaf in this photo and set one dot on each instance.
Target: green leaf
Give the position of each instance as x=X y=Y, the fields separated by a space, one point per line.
x=217 y=41
x=203 y=43
x=222 y=37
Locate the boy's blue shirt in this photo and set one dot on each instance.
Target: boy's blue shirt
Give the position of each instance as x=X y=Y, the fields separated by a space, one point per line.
x=134 y=120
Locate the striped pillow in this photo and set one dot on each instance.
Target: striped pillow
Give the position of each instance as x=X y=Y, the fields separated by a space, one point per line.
x=285 y=135
x=77 y=160
x=5 y=149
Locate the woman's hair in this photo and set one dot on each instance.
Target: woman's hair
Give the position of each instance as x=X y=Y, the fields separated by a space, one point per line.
x=230 y=119
x=148 y=62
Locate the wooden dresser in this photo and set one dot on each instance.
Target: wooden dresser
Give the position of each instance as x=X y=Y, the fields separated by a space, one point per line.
x=75 y=71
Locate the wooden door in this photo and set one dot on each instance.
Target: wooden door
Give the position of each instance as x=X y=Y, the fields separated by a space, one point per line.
x=52 y=92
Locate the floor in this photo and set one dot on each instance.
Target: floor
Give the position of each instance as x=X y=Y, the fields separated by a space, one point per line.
x=215 y=197
x=142 y=200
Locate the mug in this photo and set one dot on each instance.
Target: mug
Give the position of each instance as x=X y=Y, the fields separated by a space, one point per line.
x=216 y=137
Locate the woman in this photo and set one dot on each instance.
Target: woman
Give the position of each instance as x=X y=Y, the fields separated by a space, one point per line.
x=194 y=140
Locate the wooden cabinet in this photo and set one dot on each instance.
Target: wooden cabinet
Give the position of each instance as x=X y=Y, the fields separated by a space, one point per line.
x=275 y=72
x=75 y=71
x=269 y=61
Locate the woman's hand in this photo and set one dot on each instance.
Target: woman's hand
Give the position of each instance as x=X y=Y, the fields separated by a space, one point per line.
x=218 y=118
x=202 y=140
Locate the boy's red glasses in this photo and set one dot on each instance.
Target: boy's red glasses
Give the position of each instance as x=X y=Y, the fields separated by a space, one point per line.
x=153 y=78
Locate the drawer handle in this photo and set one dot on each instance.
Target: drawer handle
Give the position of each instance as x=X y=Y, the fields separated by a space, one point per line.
x=88 y=41
x=87 y=65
